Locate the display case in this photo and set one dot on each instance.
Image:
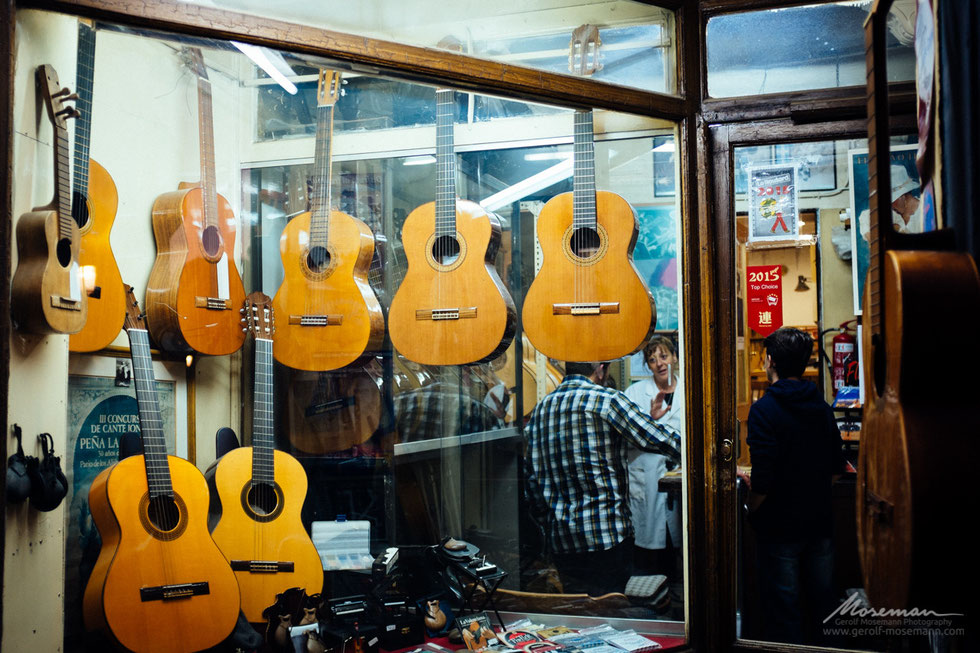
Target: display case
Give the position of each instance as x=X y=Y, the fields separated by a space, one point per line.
x=328 y=266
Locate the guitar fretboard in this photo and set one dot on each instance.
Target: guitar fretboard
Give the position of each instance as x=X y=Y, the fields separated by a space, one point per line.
x=62 y=181
x=151 y=425
x=879 y=172
x=206 y=126
x=322 y=174
x=84 y=82
x=446 y=163
x=263 y=471
x=583 y=190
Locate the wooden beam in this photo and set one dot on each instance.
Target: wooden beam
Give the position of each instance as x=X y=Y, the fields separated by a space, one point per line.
x=368 y=55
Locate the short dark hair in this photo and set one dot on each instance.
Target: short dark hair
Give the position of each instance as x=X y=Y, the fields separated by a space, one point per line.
x=585 y=369
x=790 y=350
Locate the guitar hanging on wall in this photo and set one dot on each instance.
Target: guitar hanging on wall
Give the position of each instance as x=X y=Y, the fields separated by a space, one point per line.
x=47 y=293
x=920 y=424
x=451 y=308
x=160 y=583
x=94 y=203
x=587 y=302
x=258 y=493
x=328 y=315
x=195 y=291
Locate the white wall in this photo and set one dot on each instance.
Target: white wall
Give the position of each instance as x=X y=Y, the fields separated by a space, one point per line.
x=145 y=134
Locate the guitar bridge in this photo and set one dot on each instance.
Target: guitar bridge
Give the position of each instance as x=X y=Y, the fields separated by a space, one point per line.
x=585 y=308
x=173 y=592
x=439 y=314
x=213 y=303
x=316 y=320
x=65 y=303
x=323 y=407
x=262 y=566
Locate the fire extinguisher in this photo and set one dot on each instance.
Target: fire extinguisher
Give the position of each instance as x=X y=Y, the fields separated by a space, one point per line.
x=845 y=363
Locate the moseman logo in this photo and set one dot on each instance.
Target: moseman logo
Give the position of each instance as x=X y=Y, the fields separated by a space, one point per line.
x=853 y=607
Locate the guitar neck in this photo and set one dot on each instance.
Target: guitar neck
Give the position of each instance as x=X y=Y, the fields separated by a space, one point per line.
x=62 y=182
x=206 y=127
x=263 y=470
x=446 y=164
x=84 y=83
x=151 y=425
x=583 y=190
x=322 y=175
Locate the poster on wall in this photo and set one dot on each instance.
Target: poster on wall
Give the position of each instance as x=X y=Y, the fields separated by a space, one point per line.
x=773 y=203
x=908 y=214
x=655 y=258
x=102 y=410
x=764 y=297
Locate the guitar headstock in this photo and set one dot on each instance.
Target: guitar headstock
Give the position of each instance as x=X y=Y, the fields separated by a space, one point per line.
x=583 y=51
x=193 y=58
x=135 y=317
x=258 y=317
x=56 y=97
x=328 y=88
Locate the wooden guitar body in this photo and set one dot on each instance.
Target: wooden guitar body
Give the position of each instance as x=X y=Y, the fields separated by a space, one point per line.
x=923 y=420
x=456 y=313
x=107 y=306
x=165 y=590
x=332 y=412
x=272 y=535
x=40 y=291
x=108 y=527
x=183 y=306
x=593 y=307
x=327 y=315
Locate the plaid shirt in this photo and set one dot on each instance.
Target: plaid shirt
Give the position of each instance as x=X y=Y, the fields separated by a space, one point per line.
x=575 y=463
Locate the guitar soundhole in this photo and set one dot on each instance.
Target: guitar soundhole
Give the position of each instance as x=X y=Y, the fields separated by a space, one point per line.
x=585 y=242
x=445 y=250
x=63 y=250
x=263 y=499
x=211 y=239
x=318 y=259
x=79 y=210
x=163 y=513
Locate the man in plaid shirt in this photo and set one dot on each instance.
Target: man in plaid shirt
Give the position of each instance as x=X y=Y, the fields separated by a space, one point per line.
x=576 y=471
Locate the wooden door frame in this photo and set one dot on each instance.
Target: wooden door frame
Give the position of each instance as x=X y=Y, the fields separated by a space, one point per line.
x=722 y=139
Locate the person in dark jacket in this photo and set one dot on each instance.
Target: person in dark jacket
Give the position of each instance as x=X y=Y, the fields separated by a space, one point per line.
x=796 y=453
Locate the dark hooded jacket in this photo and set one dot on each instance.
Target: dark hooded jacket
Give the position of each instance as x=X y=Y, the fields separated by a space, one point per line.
x=796 y=448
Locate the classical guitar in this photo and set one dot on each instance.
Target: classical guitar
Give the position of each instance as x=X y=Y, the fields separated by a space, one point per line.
x=194 y=291
x=93 y=206
x=328 y=315
x=258 y=493
x=160 y=582
x=332 y=411
x=920 y=423
x=587 y=302
x=451 y=308
x=47 y=293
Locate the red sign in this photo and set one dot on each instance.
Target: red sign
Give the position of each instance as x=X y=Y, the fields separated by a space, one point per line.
x=764 y=284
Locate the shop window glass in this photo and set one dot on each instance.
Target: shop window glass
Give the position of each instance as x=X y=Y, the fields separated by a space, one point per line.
x=637 y=40
x=397 y=452
x=802 y=48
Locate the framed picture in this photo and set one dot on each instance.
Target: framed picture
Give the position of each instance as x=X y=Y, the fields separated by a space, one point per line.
x=102 y=409
x=773 y=203
x=664 y=170
x=905 y=177
x=655 y=258
x=816 y=163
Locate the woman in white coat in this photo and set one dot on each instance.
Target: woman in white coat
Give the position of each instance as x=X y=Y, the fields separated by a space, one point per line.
x=654 y=521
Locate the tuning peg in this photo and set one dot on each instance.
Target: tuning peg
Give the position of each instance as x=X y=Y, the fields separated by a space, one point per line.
x=64 y=91
x=69 y=112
